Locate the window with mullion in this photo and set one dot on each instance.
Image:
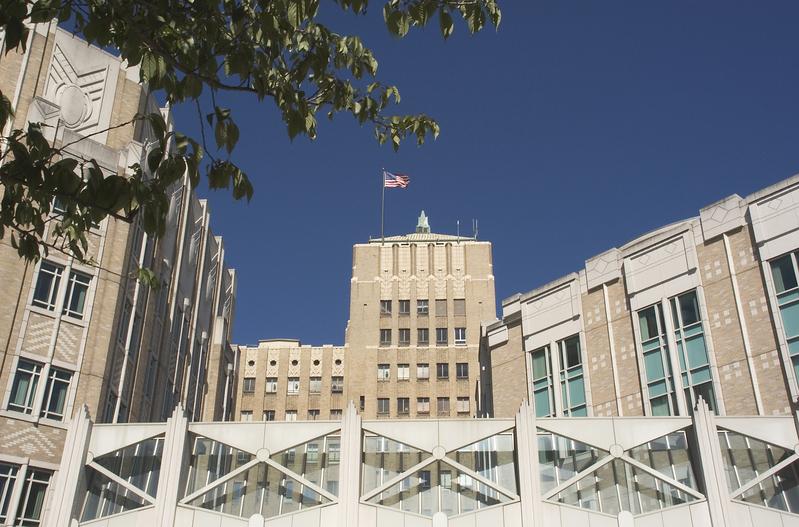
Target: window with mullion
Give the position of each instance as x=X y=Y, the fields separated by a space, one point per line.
x=23 y=390
x=31 y=503
x=8 y=476
x=572 y=383
x=543 y=389
x=657 y=366
x=55 y=393
x=784 y=271
x=46 y=291
x=692 y=353
x=75 y=299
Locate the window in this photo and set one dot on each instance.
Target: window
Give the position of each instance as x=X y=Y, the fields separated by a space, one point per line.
x=362 y=402
x=124 y=320
x=462 y=405
x=337 y=384
x=441 y=336
x=460 y=336
x=422 y=371
x=335 y=414
x=31 y=501
x=422 y=405
x=404 y=307
x=383 y=372
x=572 y=384
x=445 y=479
x=462 y=370
x=424 y=479
x=786 y=286
x=385 y=337
x=246 y=415
x=459 y=306
x=75 y=299
x=269 y=415
x=312 y=451
x=655 y=348
x=23 y=391
x=422 y=337
x=313 y=415
x=293 y=386
x=689 y=335
x=46 y=291
x=442 y=370
x=443 y=406
x=385 y=307
x=316 y=385
x=149 y=377
x=441 y=308
x=382 y=406
x=334 y=452
x=291 y=415
x=8 y=475
x=403 y=405
x=543 y=387
x=422 y=307
x=55 y=393
x=59 y=206
x=249 y=385
x=403 y=372
x=404 y=337
x=271 y=385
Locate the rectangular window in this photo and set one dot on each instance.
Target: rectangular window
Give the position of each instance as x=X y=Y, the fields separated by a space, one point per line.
x=422 y=371
x=424 y=479
x=315 y=385
x=383 y=372
x=385 y=308
x=312 y=451
x=55 y=393
x=403 y=372
x=246 y=415
x=657 y=366
x=382 y=405
x=460 y=336
x=271 y=385
x=784 y=271
x=335 y=414
x=443 y=406
x=313 y=415
x=337 y=384
x=334 y=450
x=572 y=384
x=441 y=308
x=385 y=337
x=441 y=336
x=75 y=299
x=422 y=337
x=404 y=337
x=422 y=307
x=23 y=390
x=293 y=386
x=442 y=370
x=459 y=306
x=46 y=291
x=462 y=405
x=403 y=405
x=445 y=479
x=291 y=415
x=422 y=405
x=689 y=334
x=249 y=385
x=543 y=386
x=124 y=320
x=269 y=415
x=404 y=307
x=149 y=377
x=8 y=476
x=31 y=501
x=462 y=370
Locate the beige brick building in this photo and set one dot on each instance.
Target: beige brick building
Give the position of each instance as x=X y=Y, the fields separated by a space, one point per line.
x=702 y=307
x=78 y=334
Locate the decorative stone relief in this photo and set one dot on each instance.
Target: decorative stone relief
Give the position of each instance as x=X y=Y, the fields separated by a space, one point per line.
x=422 y=264
x=273 y=363
x=295 y=361
x=317 y=359
x=22 y=439
x=458 y=261
x=722 y=216
x=603 y=268
x=67 y=343
x=338 y=362
x=440 y=264
x=404 y=261
x=775 y=222
x=37 y=334
x=552 y=314
x=251 y=362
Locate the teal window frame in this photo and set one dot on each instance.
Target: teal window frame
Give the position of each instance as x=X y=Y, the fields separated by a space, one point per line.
x=785 y=277
x=572 y=380
x=689 y=334
x=661 y=395
x=542 y=381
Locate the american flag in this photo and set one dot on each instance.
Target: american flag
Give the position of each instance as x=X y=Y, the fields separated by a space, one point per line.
x=395 y=180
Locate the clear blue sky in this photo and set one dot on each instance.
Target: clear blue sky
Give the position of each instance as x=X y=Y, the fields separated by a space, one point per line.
x=574 y=128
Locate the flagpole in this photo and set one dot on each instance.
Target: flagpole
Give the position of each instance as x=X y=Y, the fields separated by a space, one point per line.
x=382 y=203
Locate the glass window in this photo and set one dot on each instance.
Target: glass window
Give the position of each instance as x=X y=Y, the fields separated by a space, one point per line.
x=543 y=385
x=382 y=405
x=442 y=370
x=784 y=272
x=46 y=290
x=31 y=502
x=124 y=320
x=315 y=385
x=782 y=269
x=692 y=351
x=422 y=307
x=404 y=307
x=335 y=414
x=55 y=393
x=385 y=307
x=8 y=476
x=459 y=306
x=337 y=384
x=422 y=371
x=441 y=308
x=246 y=415
x=23 y=390
x=422 y=337
x=269 y=415
x=291 y=415
x=462 y=405
x=441 y=336
x=572 y=383
x=403 y=405
x=249 y=385
x=404 y=337
x=424 y=479
x=383 y=372
x=271 y=385
x=403 y=372
x=460 y=336
x=422 y=405
x=657 y=366
x=293 y=386
x=75 y=299
x=462 y=370
x=385 y=337
x=313 y=415
x=443 y=405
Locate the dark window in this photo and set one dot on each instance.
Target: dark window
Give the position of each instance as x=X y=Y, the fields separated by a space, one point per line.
x=385 y=337
x=422 y=307
x=382 y=406
x=404 y=337
x=385 y=307
x=442 y=370
x=404 y=307
x=422 y=337
x=403 y=405
x=249 y=385
x=462 y=370
x=441 y=336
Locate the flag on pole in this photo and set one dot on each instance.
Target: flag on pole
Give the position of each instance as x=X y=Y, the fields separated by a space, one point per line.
x=391 y=180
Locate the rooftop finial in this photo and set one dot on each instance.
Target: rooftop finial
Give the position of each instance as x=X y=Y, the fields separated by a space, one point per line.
x=422 y=225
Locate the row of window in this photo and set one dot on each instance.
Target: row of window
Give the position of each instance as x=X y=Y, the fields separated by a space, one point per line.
x=25 y=388
x=423 y=337
x=785 y=271
x=293 y=385
x=423 y=405
x=291 y=415
x=28 y=510
x=422 y=371
x=48 y=288
x=423 y=307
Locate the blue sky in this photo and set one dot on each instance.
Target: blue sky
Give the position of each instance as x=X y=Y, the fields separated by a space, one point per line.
x=574 y=128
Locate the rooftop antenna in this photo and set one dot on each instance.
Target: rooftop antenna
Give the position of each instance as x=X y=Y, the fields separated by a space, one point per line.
x=458 y=229
x=474 y=228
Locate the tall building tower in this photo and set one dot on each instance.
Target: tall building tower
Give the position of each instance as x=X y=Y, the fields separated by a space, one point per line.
x=412 y=339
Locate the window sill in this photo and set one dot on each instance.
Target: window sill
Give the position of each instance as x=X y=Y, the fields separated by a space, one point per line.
x=442 y=378
x=423 y=413
x=463 y=378
x=404 y=344
x=423 y=379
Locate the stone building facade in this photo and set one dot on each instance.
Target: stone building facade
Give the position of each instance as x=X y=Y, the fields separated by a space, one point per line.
x=90 y=334
x=704 y=307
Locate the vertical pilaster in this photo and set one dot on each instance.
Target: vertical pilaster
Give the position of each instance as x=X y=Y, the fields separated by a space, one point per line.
x=350 y=490
x=527 y=463
x=711 y=463
x=65 y=499
x=166 y=502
